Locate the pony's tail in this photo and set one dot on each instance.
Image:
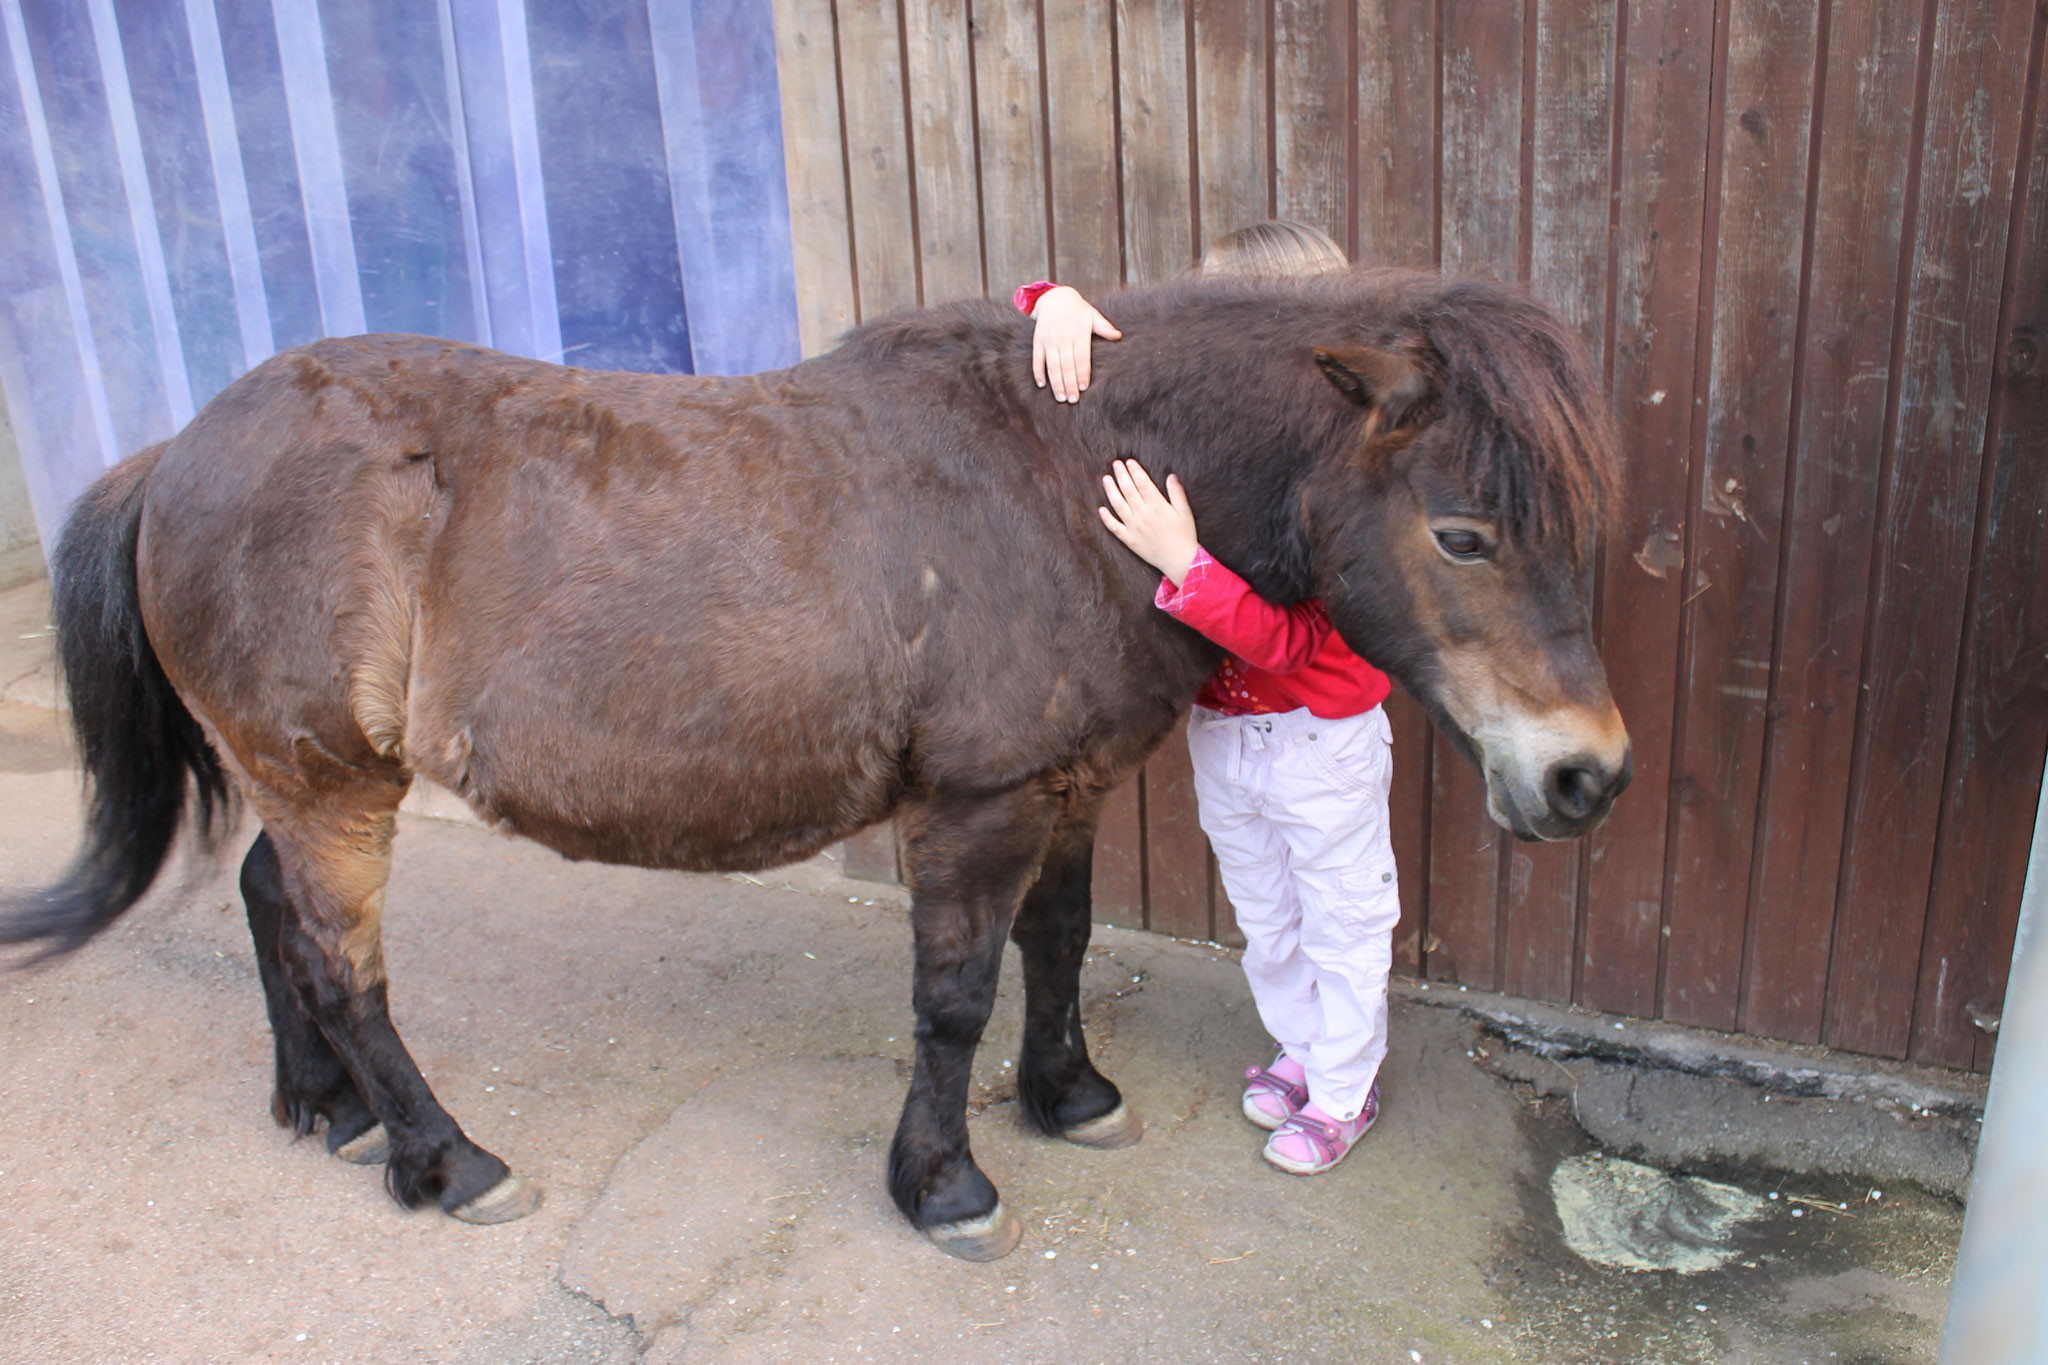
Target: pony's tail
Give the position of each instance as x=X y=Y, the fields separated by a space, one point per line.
x=145 y=758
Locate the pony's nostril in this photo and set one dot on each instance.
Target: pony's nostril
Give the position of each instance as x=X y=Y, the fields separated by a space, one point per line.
x=1575 y=790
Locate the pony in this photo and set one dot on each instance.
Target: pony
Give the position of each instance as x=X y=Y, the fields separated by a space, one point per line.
x=719 y=623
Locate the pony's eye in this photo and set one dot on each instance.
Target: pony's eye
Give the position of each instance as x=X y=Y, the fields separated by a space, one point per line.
x=1462 y=545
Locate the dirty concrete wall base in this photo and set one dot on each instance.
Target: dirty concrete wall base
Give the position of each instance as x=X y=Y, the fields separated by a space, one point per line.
x=1700 y=1101
x=21 y=552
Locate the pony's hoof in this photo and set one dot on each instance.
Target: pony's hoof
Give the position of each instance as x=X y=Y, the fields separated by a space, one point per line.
x=990 y=1237
x=371 y=1147
x=1120 y=1127
x=513 y=1197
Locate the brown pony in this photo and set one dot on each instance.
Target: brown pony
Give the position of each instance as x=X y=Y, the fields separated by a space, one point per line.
x=719 y=623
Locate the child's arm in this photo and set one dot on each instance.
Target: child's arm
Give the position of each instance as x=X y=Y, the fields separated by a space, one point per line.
x=1062 y=346
x=1160 y=529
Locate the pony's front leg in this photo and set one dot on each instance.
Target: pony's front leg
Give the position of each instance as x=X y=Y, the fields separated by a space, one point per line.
x=1061 y=1091
x=967 y=860
x=330 y=945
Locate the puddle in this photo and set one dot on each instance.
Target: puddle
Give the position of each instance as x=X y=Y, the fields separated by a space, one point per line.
x=1616 y=1263
x=1617 y=1213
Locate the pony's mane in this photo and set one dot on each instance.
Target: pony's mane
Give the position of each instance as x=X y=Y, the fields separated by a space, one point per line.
x=1545 y=453
x=1538 y=449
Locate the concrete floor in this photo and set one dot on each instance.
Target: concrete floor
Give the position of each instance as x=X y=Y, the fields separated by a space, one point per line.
x=704 y=1073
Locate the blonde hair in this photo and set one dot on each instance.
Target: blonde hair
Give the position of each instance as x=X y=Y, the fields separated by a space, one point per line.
x=1276 y=249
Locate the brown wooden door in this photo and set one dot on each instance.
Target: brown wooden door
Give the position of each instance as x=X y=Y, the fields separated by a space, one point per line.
x=1808 y=240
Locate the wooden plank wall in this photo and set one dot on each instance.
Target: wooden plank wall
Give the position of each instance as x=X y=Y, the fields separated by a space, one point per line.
x=1808 y=240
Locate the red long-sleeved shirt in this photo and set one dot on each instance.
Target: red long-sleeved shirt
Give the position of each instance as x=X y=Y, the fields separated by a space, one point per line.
x=1281 y=658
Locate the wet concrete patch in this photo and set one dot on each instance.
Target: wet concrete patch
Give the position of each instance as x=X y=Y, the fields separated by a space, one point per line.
x=1635 y=1217
x=1820 y=1271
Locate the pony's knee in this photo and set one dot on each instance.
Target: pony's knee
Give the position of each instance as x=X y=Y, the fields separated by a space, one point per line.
x=332 y=879
x=360 y=941
x=953 y=1019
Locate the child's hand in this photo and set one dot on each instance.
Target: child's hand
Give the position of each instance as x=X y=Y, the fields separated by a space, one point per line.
x=1061 y=345
x=1159 y=527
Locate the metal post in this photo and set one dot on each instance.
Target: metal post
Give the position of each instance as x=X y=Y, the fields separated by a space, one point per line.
x=1998 y=1305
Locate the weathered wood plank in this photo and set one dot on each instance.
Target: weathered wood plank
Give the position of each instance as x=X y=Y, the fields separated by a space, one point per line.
x=1666 y=74
x=1157 y=176
x=1571 y=160
x=1010 y=122
x=1480 y=235
x=878 y=157
x=1927 y=534
x=1395 y=218
x=1230 y=116
x=1080 y=84
x=1574 y=152
x=1829 y=520
x=1312 y=143
x=1397 y=145
x=1176 y=851
x=936 y=58
x=1732 y=582
x=1118 y=886
x=884 y=257
x=1482 y=137
x=807 y=68
x=1408 y=828
x=1158 y=217
x=1153 y=143
x=2001 y=728
x=1465 y=850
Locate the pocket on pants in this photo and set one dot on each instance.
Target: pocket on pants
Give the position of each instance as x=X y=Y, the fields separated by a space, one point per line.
x=1356 y=756
x=1369 y=901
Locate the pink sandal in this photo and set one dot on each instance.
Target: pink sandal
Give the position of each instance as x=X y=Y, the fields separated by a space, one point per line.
x=1311 y=1142
x=1270 y=1098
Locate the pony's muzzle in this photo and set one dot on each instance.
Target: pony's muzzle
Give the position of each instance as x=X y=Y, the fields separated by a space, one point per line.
x=1574 y=797
x=1552 y=784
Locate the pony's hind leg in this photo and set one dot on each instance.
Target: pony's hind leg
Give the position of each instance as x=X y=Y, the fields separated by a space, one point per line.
x=969 y=859
x=311 y=1084
x=1059 y=1089
x=330 y=947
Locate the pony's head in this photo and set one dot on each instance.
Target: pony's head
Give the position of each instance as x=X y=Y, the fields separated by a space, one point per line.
x=1448 y=527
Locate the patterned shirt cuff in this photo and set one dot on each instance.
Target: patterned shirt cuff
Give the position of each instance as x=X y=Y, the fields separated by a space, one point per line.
x=1175 y=600
x=1028 y=295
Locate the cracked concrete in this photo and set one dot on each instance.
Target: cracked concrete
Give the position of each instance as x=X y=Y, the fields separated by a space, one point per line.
x=704 y=1073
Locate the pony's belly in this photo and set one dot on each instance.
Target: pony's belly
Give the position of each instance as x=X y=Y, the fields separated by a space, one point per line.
x=698 y=807
x=719 y=849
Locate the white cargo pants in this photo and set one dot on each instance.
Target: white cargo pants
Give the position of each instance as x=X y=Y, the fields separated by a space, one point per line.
x=1296 y=808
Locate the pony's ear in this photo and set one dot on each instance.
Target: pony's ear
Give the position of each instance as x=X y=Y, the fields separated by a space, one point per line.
x=1386 y=381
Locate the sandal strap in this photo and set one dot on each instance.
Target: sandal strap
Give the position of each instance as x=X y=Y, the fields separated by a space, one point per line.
x=1262 y=1080
x=1326 y=1138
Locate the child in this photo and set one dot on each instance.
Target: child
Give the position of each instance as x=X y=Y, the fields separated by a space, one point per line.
x=1293 y=762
